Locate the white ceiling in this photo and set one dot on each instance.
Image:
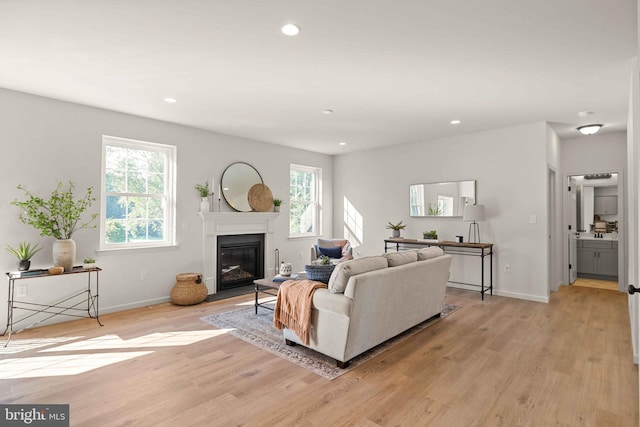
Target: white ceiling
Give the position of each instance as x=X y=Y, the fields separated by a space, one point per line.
x=392 y=72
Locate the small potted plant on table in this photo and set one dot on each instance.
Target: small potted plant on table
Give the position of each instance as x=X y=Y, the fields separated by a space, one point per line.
x=24 y=252
x=396 y=228
x=89 y=264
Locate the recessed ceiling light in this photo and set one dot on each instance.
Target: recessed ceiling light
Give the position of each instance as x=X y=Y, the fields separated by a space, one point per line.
x=589 y=129
x=585 y=113
x=455 y=122
x=327 y=112
x=170 y=100
x=342 y=143
x=290 y=30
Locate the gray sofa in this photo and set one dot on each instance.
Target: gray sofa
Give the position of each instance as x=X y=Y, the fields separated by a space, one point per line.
x=372 y=299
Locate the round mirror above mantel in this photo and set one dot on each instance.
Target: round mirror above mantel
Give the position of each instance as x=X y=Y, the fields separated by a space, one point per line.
x=237 y=179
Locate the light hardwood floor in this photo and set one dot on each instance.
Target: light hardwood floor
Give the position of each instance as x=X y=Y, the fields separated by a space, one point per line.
x=501 y=362
x=595 y=283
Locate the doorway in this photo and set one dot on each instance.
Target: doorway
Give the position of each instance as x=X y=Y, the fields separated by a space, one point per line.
x=594 y=226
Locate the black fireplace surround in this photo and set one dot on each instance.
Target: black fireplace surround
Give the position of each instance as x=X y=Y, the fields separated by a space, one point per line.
x=240 y=260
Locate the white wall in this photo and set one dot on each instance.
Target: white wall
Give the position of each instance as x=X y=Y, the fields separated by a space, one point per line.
x=510 y=167
x=554 y=200
x=45 y=140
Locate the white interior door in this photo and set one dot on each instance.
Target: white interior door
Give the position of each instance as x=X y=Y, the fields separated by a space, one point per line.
x=571 y=232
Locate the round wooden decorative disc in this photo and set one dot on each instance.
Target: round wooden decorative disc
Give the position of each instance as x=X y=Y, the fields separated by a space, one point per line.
x=260 y=198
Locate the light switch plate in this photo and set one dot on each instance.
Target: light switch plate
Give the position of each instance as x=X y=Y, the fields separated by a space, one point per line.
x=533 y=219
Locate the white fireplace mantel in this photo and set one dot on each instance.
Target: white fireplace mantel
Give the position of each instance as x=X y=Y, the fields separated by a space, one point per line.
x=216 y=224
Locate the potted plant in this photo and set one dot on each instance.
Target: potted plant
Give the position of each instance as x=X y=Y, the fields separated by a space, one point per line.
x=396 y=228
x=24 y=252
x=89 y=263
x=276 y=205
x=203 y=191
x=58 y=216
x=432 y=235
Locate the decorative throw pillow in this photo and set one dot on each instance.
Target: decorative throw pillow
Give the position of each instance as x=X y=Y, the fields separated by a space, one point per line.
x=344 y=270
x=335 y=252
x=400 y=258
x=430 y=252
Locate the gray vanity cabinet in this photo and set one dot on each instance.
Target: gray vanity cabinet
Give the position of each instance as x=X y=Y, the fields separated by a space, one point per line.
x=598 y=257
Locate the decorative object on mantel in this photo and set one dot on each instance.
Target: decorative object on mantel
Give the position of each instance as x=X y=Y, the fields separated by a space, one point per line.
x=276 y=205
x=260 y=198
x=24 y=252
x=473 y=213
x=203 y=191
x=237 y=180
x=396 y=228
x=60 y=216
x=188 y=289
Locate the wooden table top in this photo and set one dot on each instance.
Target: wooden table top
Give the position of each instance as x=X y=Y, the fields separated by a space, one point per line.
x=441 y=243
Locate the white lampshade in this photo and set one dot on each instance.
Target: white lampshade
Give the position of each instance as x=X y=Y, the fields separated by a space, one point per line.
x=473 y=213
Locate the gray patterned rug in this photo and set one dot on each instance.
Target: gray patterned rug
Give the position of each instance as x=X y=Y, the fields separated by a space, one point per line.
x=259 y=331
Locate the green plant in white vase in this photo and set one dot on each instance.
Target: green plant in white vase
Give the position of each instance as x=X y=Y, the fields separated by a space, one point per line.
x=59 y=216
x=396 y=228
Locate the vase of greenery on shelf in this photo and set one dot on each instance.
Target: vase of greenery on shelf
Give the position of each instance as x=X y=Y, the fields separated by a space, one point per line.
x=430 y=235
x=396 y=228
x=276 y=205
x=24 y=252
x=59 y=216
x=89 y=264
x=203 y=191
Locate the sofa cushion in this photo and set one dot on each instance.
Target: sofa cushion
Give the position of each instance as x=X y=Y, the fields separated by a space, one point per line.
x=430 y=252
x=400 y=258
x=335 y=252
x=343 y=271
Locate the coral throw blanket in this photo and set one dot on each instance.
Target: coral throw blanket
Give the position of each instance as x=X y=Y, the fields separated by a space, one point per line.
x=293 y=306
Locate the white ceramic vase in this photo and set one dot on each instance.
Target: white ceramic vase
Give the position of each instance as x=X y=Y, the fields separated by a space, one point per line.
x=64 y=254
x=204 y=204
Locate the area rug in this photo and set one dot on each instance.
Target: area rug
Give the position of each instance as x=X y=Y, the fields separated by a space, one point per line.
x=259 y=331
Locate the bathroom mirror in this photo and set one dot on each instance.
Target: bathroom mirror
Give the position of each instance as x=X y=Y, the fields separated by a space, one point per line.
x=441 y=199
x=237 y=179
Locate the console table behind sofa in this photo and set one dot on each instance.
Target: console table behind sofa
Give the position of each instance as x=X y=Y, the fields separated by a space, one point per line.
x=454 y=248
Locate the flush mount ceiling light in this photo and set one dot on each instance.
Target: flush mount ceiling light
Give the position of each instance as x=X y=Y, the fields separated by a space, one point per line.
x=342 y=143
x=589 y=129
x=170 y=100
x=290 y=30
x=455 y=122
x=327 y=112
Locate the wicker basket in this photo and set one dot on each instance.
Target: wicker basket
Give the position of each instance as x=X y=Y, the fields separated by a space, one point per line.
x=188 y=289
x=319 y=272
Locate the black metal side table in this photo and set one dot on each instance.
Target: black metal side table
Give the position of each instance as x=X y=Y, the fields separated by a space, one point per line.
x=69 y=306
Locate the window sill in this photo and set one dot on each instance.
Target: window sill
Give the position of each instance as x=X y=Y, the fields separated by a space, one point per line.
x=138 y=248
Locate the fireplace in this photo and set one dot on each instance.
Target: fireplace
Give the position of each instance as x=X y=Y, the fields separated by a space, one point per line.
x=219 y=224
x=240 y=260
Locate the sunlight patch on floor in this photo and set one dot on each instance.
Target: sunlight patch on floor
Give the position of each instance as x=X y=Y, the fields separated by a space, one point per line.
x=56 y=366
x=159 y=339
x=17 y=346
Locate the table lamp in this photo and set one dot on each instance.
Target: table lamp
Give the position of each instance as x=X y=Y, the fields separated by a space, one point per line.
x=473 y=213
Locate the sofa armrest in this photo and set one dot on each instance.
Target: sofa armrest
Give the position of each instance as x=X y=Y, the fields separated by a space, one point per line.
x=324 y=300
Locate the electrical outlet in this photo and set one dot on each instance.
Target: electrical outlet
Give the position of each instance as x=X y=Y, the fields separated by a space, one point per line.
x=21 y=291
x=143 y=275
x=506 y=267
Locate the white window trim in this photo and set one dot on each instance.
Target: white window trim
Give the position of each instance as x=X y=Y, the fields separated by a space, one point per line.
x=318 y=190
x=170 y=178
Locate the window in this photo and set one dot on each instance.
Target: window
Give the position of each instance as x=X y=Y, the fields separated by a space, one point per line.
x=304 y=201
x=138 y=194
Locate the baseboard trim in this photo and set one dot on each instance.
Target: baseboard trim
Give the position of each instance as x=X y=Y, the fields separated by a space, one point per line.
x=123 y=307
x=518 y=295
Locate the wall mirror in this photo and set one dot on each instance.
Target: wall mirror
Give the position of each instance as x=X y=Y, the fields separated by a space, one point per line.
x=441 y=199
x=236 y=181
